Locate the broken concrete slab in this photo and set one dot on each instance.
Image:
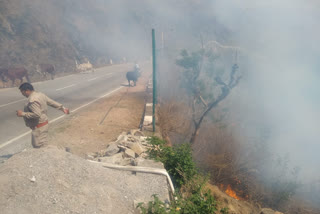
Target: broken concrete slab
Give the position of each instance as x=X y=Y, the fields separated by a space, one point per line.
x=116 y=159
x=112 y=149
x=147 y=120
x=136 y=147
x=130 y=153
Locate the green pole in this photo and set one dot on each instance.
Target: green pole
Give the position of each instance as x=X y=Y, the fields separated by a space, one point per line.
x=154 y=81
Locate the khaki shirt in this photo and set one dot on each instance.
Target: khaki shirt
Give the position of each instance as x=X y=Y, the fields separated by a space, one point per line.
x=35 y=110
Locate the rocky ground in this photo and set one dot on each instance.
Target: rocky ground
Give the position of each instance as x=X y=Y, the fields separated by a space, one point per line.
x=50 y=180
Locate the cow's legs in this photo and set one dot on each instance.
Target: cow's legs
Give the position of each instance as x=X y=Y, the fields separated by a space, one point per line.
x=129 y=83
x=135 y=83
x=13 y=81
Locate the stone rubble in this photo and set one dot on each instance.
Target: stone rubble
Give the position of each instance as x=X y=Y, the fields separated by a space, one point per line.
x=128 y=150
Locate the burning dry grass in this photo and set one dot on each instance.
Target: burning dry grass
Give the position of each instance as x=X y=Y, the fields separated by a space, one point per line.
x=219 y=153
x=236 y=165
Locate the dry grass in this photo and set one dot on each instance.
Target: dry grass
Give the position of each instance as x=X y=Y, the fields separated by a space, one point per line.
x=173 y=118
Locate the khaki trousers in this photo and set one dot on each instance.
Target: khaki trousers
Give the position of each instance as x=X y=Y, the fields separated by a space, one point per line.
x=39 y=136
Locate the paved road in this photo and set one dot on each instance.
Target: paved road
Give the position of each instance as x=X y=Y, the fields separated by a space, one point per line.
x=74 y=91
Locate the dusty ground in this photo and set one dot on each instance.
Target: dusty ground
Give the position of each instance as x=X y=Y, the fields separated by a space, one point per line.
x=97 y=125
x=50 y=180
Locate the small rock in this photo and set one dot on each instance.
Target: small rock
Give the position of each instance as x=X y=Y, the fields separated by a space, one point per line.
x=114 y=159
x=112 y=149
x=131 y=139
x=93 y=154
x=101 y=153
x=89 y=157
x=122 y=148
x=130 y=153
x=33 y=179
x=136 y=147
x=144 y=155
x=122 y=139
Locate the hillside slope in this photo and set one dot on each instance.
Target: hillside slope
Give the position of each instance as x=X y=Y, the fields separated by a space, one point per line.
x=60 y=32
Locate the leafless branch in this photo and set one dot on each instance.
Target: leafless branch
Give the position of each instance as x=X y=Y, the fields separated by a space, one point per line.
x=203 y=101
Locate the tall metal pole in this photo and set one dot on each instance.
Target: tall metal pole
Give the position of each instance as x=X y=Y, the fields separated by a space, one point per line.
x=154 y=81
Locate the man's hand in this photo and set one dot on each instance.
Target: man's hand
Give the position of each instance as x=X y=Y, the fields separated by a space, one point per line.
x=66 y=110
x=19 y=113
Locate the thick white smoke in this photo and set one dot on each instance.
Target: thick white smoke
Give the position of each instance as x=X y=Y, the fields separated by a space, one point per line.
x=283 y=40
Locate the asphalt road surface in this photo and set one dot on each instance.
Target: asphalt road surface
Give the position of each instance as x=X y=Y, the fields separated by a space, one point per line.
x=74 y=91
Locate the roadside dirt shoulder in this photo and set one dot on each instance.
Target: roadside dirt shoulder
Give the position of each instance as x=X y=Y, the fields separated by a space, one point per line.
x=97 y=125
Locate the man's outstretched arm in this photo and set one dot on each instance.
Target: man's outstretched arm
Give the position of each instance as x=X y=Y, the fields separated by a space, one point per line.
x=54 y=104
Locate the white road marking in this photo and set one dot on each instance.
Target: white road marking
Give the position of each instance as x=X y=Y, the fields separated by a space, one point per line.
x=97 y=99
x=107 y=75
x=65 y=87
x=92 y=79
x=59 y=89
x=100 y=77
x=11 y=103
x=14 y=139
x=58 y=118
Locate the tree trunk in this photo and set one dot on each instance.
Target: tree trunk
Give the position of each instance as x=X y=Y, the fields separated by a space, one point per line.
x=223 y=95
x=195 y=134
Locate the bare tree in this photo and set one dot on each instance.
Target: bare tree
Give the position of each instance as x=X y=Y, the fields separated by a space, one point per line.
x=205 y=84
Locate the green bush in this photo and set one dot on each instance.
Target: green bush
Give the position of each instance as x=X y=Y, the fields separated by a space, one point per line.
x=192 y=196
x=198 y=203
x=154 y=207
x=177 y=160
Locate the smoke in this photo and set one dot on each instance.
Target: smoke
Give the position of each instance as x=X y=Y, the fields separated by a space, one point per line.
x=282 y=40
x=123 y=28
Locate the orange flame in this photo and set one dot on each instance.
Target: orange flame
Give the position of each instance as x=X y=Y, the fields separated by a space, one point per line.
x=232 y=193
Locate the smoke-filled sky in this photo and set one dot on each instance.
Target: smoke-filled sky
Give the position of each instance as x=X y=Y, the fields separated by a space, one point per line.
x=283 y=40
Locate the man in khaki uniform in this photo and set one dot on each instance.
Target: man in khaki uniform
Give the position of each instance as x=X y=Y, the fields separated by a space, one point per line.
x=35 y=113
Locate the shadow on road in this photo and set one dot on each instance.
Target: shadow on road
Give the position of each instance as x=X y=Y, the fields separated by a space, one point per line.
x=126 y=85
x=6 y=156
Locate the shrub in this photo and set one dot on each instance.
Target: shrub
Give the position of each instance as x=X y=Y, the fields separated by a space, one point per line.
x=154 y=207
x=192 y=196
x=199 y=200
x=177 y=160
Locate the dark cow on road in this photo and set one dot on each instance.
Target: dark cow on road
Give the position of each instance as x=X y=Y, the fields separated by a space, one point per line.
x=133 y=76
x=2 y=72
x=45 y=69
x=13 y=74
